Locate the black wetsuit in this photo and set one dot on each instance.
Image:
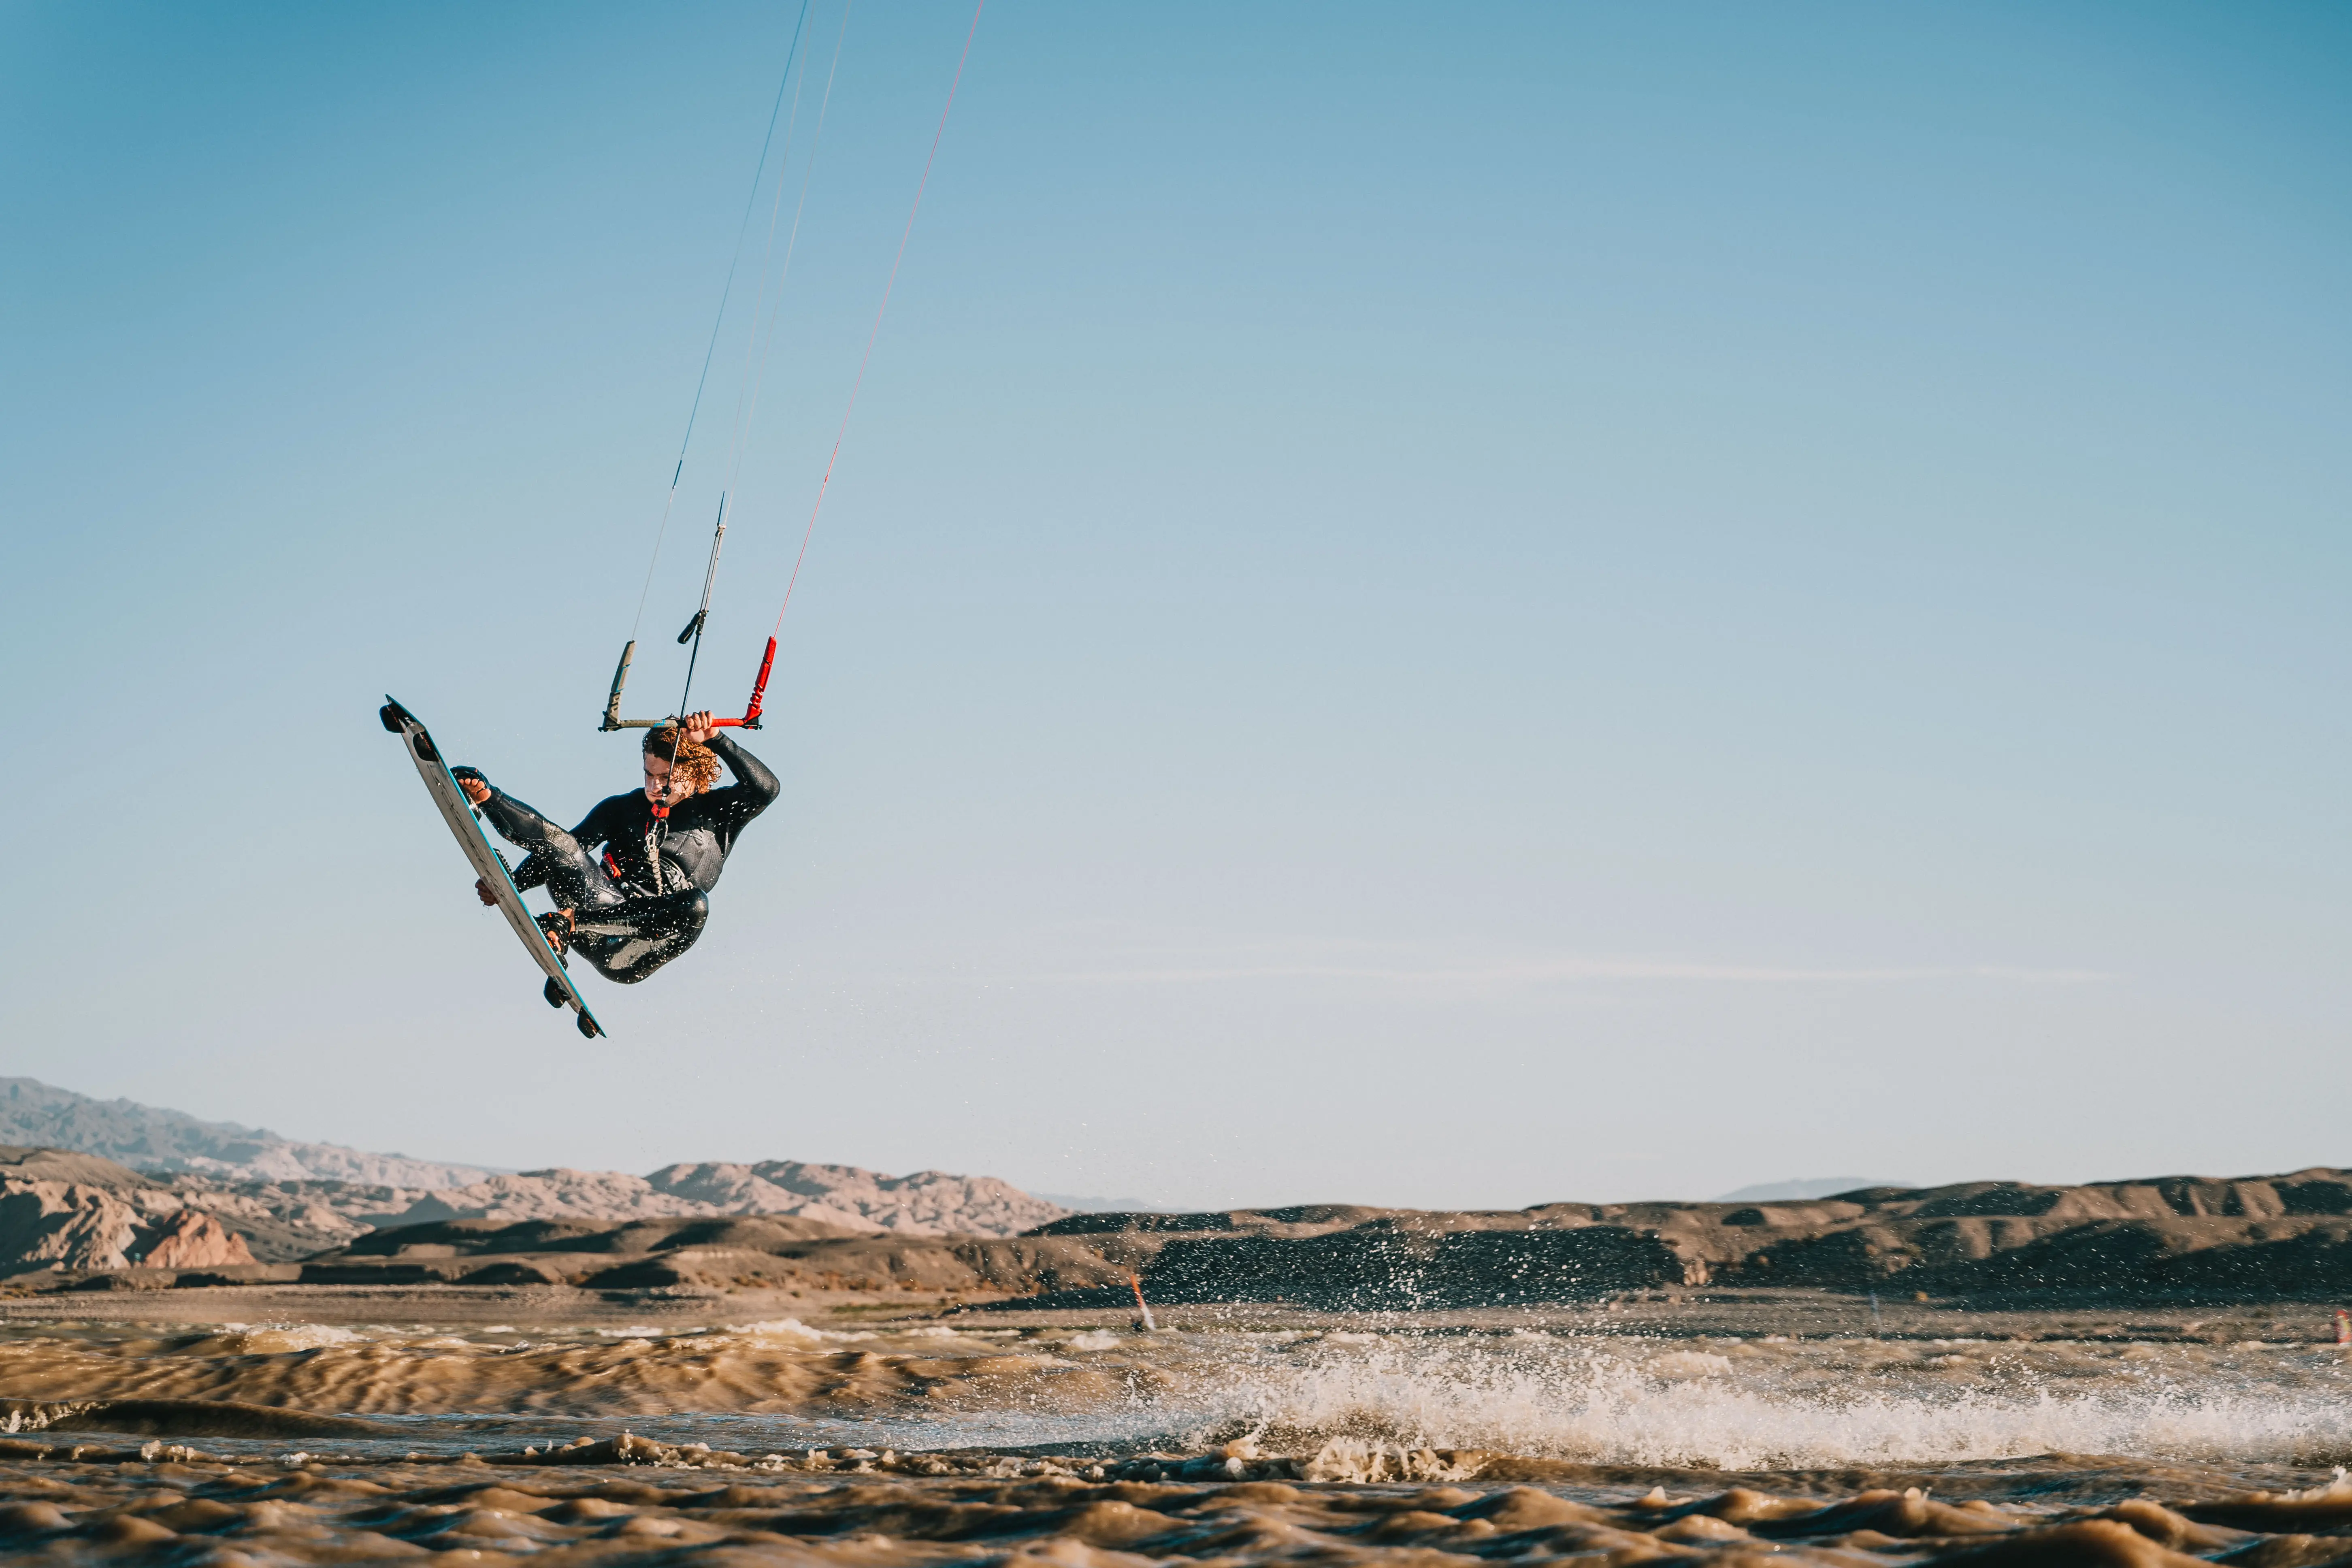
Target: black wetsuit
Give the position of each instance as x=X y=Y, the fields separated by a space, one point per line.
x=641 y=904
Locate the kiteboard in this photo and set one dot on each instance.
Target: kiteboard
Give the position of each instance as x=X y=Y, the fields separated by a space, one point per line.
x=466 y=824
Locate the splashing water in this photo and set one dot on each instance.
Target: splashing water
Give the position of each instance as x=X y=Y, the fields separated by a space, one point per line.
x=1601 y=1399
x=1800 y=1405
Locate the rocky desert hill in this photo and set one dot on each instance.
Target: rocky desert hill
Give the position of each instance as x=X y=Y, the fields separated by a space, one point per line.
x=290 y=1220
x=805 y=1256
x=287 y=1200
x=73 y=1212
x=800 y=1225
x=76 y=1211
x=2172 y=1239
x=928 y=1202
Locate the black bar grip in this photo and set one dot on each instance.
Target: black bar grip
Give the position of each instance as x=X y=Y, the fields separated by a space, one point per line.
x=620 y=678
x=693 y=628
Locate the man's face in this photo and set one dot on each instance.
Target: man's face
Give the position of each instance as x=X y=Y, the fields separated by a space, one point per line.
x=662 y=788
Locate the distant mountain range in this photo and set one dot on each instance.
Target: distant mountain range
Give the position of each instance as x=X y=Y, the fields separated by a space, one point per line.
x=1803 y=1188
x=287 y=1199
x=928 y=1202
x=148 y=1138
x=1104 y=1206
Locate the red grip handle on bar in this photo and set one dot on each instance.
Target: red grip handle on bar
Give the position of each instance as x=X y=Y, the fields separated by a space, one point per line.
x=759 y=686
x=759 y=695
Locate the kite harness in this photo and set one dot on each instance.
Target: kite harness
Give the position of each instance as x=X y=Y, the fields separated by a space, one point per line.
x=640 y=903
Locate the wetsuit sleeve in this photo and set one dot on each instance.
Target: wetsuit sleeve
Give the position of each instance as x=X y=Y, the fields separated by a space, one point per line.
x=754 y=789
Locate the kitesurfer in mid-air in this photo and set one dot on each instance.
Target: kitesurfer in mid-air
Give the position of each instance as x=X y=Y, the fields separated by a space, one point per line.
x=643 y=903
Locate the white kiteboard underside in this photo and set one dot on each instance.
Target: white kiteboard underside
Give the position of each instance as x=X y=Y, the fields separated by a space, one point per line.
x=489 y=864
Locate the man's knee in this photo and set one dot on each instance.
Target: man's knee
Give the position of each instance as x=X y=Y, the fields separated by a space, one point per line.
x=687 y=913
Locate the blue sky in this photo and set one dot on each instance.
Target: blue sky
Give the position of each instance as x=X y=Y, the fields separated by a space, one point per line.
x=1460 y=607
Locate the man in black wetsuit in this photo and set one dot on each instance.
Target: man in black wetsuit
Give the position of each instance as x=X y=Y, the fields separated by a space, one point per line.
x=643 y=903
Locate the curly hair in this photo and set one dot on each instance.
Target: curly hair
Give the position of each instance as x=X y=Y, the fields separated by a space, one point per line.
x=698 y=765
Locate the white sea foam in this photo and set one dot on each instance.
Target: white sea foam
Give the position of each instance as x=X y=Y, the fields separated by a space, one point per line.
x=793 y=1329
x=1812 y=1405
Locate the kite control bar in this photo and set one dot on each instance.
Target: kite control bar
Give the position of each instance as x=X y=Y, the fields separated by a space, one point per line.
x=750 y=721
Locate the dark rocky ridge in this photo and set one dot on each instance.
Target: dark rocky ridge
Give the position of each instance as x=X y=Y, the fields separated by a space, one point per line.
x=2165 y=1239
x=759 y=1252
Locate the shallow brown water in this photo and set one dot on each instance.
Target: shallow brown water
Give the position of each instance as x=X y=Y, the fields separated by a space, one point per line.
x=959 y=1442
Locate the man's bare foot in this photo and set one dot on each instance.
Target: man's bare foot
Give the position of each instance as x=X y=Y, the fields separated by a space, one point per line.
x=556 y=926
